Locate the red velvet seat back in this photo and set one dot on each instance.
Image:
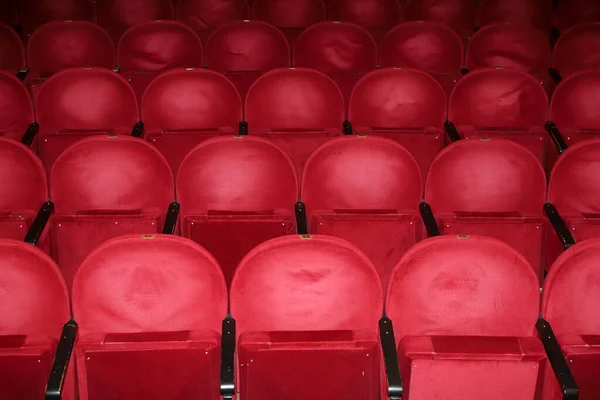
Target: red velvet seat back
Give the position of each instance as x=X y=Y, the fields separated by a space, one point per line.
x=8 y=13
x=104 y=187
x=183 y=107
x=235 y=193
x=205 y=16
x=148 y=49
x=575 y=12
x=536 y=13
x=244 y=50
x=577 y=49
x=377 y=16
x=35 y=13
x=457 y=14
x=16 y=109
x=12 y=54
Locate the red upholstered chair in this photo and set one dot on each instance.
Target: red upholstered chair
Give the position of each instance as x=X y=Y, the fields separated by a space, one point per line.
x=291 y=17
x=117 y=16
x=491 y=187
x=511 y=45
x=342 y=50
x=35 y=305
x=377 y=16
x=35 y=13
x=205 y=16
x=505 y=103
x=569 y=299
x=366 y=190
x=244 y=50
x=306 y=310
x=406 y=105
x=65 y=44
x=149 y=310
x=456 y=14
x=103 y=187
x=12 y=54
x=428 y=46
x=577 y=49
x=464 y=311
x=16 y=109
x=536 y=13
x=184 y=107
x=296 y=108
x=150 y=48
x=236 y=193
x=574 y=12
x=79 y=102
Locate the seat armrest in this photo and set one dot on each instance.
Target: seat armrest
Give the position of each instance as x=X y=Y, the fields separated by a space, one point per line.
x=30 y=133
x=138 y=129
x=301 y=222
x=171 y=219
x=22 y=74
x=347 y=128
x=556 y=136
x=429 y=220
x=228 y=343
x=39 y=223
x=56 y=381
x=390 y=358
x=451 y=131
x=555 y=75
x=559 y=225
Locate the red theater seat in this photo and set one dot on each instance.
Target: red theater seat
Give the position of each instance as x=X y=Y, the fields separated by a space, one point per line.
x=12 y=54
x=573 y=12
x=342 y=50
x=406 y=105
x=377 y=16
x=103 y=187
x=569 y=301
x=464 y=311
x=184 y=107
x=297 y=108
x=149 y=310
x=307 y=311
x=366 y=190
x=150 y=48
x=511 y=45
x=536 y=13
x=16 y=110
x=577 y=49
x=506 y=103
x=235 y=193
x=81 y=102
x=205 y=16
x=35 y=13
x=244 y=50
x=457 y=14
x=65 y=44
x=289 y=16
x=491 y=187
x=35 y=305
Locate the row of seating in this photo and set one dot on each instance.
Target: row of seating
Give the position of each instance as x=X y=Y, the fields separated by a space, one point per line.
x=462 y=313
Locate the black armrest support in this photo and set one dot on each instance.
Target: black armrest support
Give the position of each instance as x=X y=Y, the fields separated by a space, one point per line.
x=347 y=128
x=30 y=133
x=228 y=358
x=429 y=220
x=39 y=223
x=451 y=131
x=138 y=129
x=56 y=381
x=557 y=138
x=559 y=225
x=563 y=374
x=243 y=128
x=464 y=70
x=171 y=219
x=390 y=358
x=301 y=223
x=23 y=73
x=555 y=75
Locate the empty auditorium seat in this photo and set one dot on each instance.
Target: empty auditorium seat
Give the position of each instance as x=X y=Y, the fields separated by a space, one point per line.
x=297 y=108
x=150 y=48
x=491 y=187
x=307 y=311
x=184 y=107
x=64 y=44
x=457 y=14
x=102 y=187
x=342 y=50
x=35 y=13
x=235 y=193
x=464 y=311
x=117 y=16
x=429 y=46
x=577 y=49
x=244 y=50
x=149 y=310
x=406 y=105
x=79 y=102
x=501 y=102
x=511 y=45
x=573 y=12
x=536 y=13
x=35 y=305
x=12 y=54
x=568 y=302
x=366 y=190
x=16 y=109
x=205 y=16
x=377 y=16
x=289 y=16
